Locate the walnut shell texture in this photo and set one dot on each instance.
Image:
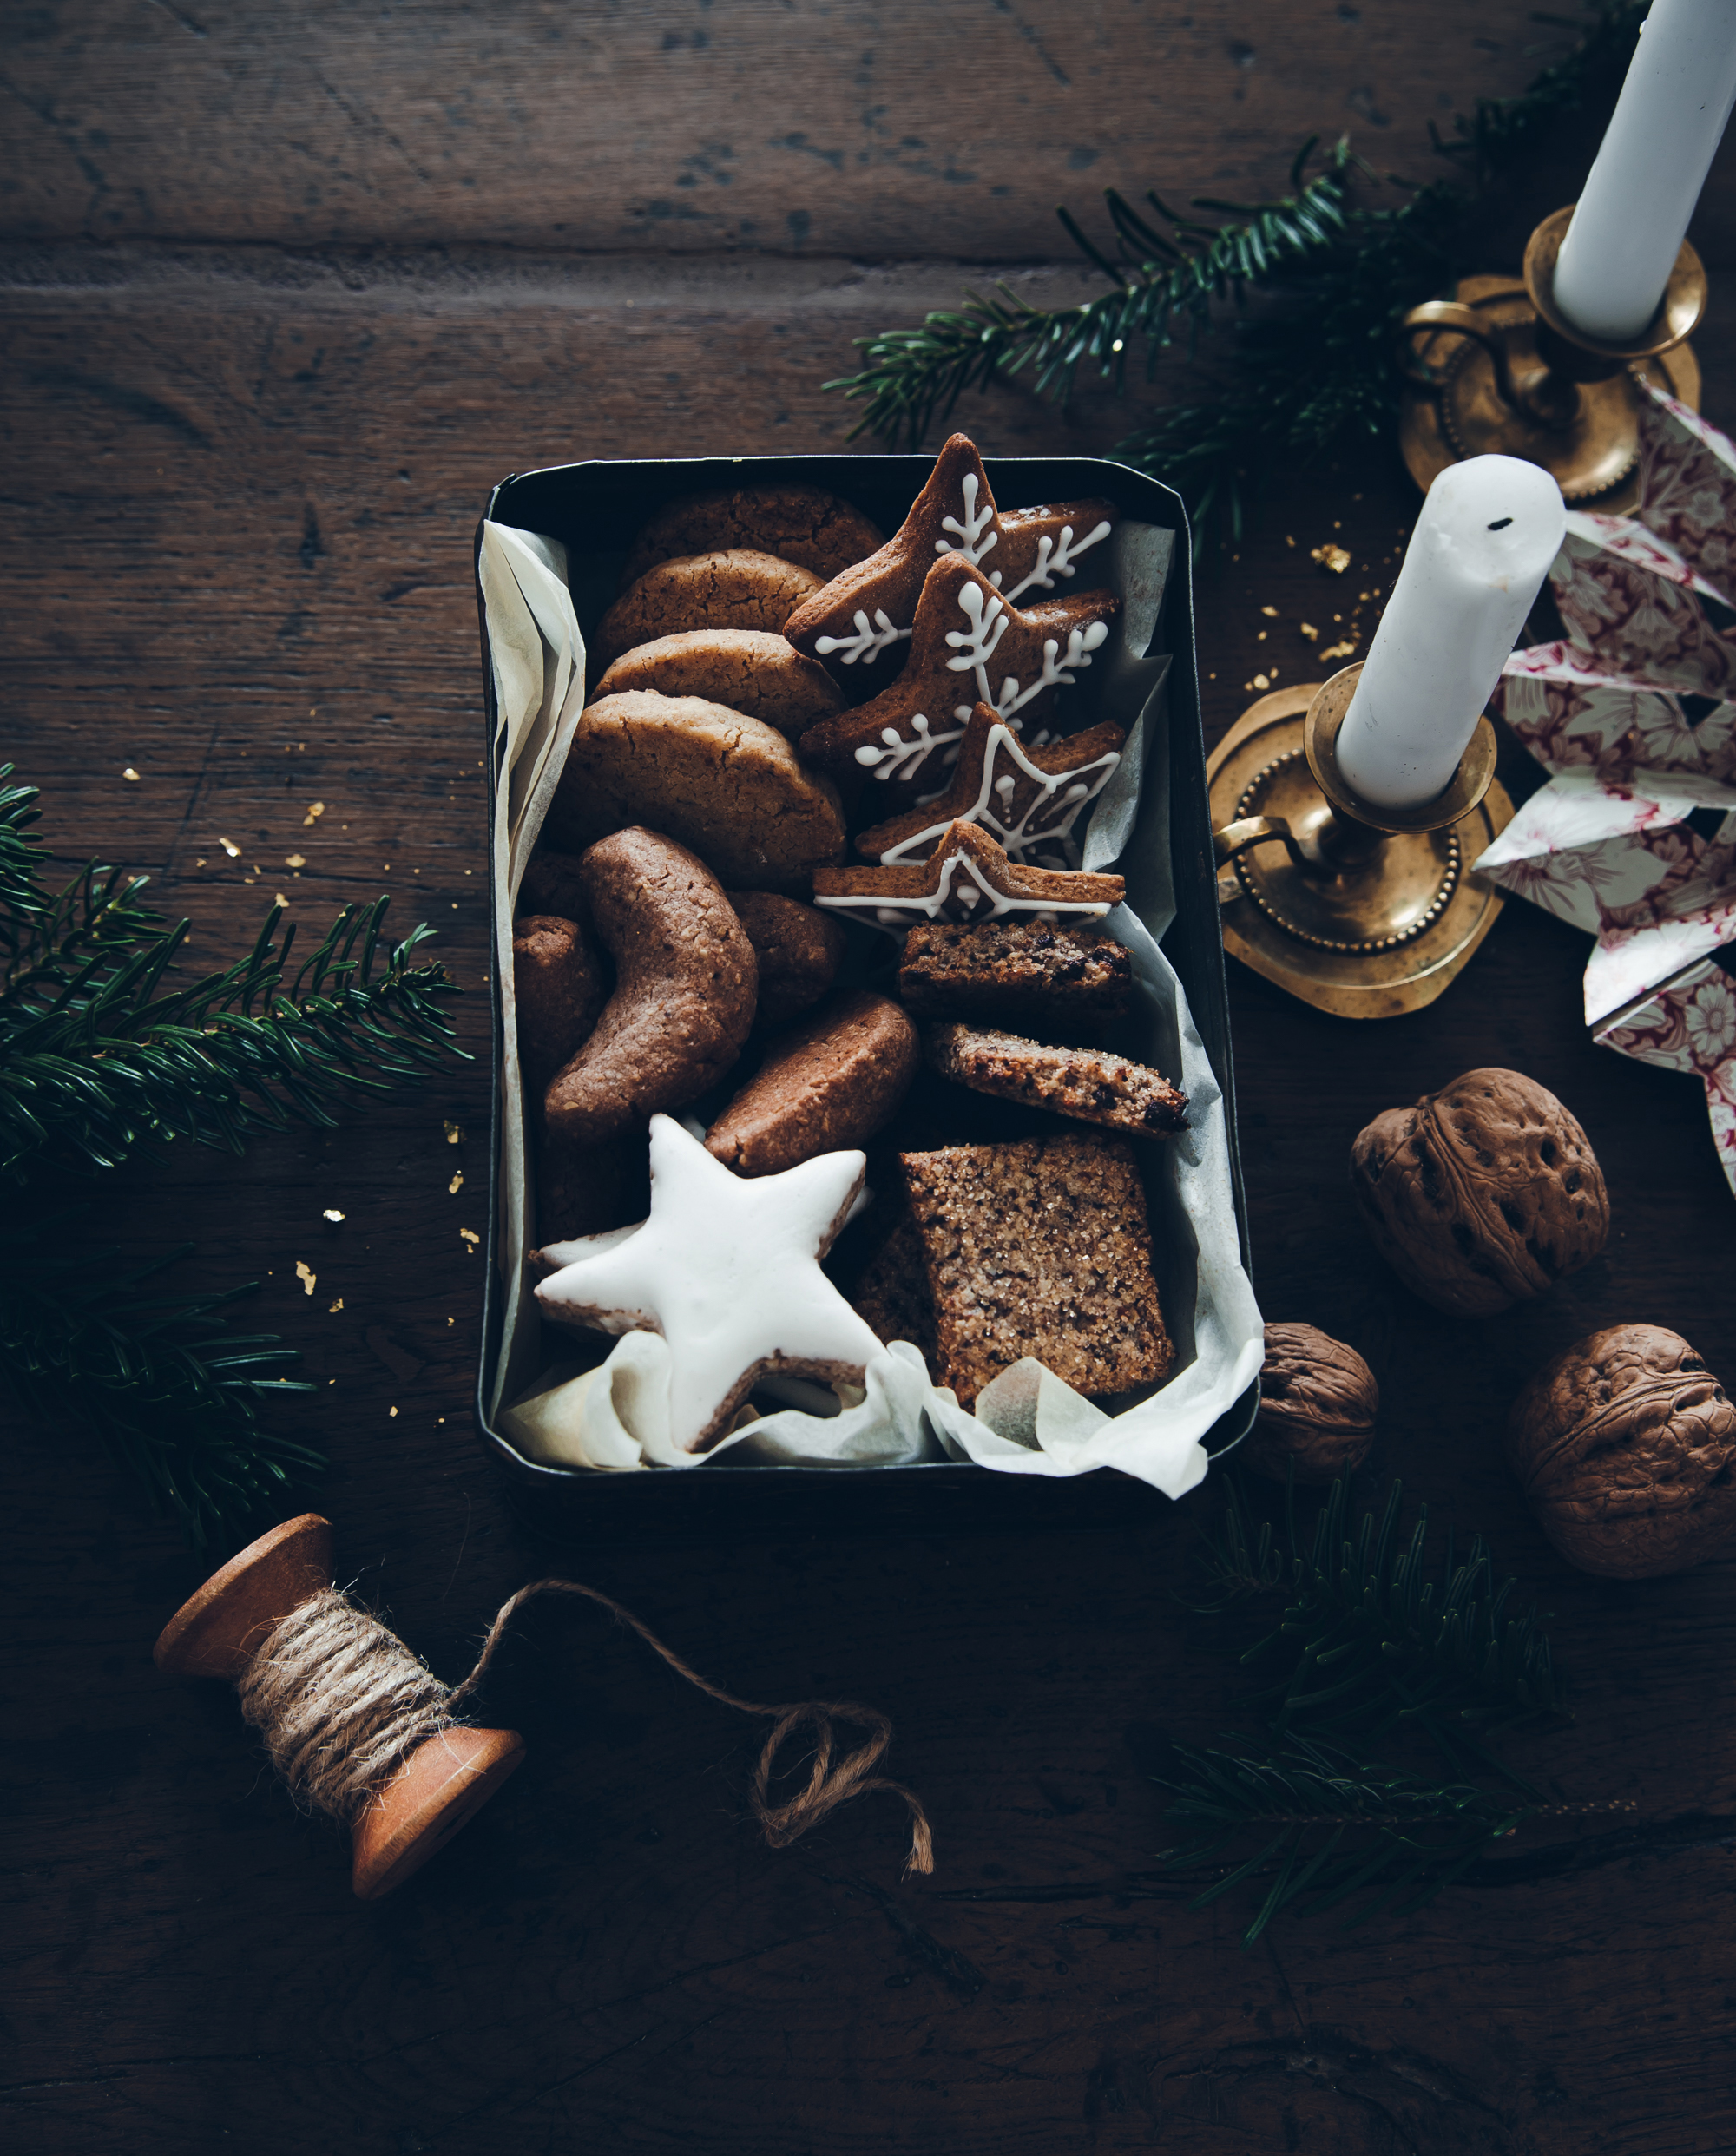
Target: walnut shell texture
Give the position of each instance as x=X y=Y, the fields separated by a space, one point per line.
x=1625 y=1445
x=1317 y=1402
x=1482 y=1195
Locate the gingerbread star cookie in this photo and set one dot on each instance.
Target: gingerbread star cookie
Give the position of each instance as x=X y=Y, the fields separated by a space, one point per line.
x=871 y=607
x=727 y=1268
x=967 y=878
x=1028 y=800
x=970 y=645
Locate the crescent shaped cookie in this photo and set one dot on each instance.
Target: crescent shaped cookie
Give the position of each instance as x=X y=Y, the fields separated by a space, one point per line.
x=800 y=950
x=730 y=588
x=832 y=1082
x=686 y=987
x=803 y=524
x=728 y=786
x=751 y=671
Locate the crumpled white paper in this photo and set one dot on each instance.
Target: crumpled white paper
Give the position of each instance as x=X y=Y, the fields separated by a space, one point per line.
x=1028 y=1420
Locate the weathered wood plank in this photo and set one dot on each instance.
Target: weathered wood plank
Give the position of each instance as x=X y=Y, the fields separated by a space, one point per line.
x=871 y=127
x=237 y=560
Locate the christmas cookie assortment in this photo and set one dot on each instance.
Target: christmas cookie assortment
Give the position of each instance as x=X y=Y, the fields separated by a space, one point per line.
x=845 y=1079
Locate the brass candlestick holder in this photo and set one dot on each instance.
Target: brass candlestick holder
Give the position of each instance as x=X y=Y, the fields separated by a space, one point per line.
x=1361 y=911
x=1498 y=368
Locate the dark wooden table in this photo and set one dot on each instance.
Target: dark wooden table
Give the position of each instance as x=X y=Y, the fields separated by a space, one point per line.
x=288 y=289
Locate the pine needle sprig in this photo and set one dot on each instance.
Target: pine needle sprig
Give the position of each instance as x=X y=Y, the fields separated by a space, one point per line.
x=1374 y=1636
x=96 y=1057
x=171 y=1391
x=1159 y=277
x=1373 y=1649
x=101 y=1053
x=1316 y=367
x=1333 y=1825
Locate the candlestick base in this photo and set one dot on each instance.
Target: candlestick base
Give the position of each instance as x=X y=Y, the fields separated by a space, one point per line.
x=1499 y=368
x=1362 y=911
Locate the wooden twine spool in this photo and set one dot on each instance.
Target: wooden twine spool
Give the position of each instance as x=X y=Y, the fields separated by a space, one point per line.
x=333 y=1691
x=421 y=1805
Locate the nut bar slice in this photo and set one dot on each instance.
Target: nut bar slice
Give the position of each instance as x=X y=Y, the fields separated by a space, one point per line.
x=1039 y=1248
x=1089 y=1083
x=1013 y=970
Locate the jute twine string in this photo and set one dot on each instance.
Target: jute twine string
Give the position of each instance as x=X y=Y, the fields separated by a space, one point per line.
x=341 y=1702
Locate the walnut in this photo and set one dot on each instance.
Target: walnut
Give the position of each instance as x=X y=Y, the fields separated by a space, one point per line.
x=1625 y=1446
x=1318 y=1402
x=1483 y=1195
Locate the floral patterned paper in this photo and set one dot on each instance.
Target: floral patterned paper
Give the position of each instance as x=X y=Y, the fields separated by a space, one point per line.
x=1633 y=715
x=1689 y=1024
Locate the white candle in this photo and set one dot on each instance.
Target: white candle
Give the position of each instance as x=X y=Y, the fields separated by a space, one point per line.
x=1634 y=207
x=1489 y=531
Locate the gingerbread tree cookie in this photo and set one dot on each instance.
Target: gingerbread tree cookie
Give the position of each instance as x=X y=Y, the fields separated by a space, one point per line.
x=871 y=607
x=1028 y=800
x=970 y=645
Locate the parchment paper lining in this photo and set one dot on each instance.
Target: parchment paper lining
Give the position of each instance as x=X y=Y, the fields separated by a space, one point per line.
x=611 y=1416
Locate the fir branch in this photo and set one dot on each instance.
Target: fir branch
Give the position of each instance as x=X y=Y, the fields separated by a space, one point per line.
x=97 y=1057
x=1374 y=1637
x=1318 y=366
x=1346 y=1827
x=100 y=1054
x=914 y=376
x=170 y=1388
x=1371 y=1647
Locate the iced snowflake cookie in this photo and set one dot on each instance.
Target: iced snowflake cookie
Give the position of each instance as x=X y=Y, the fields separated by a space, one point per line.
x=685 y=984
x=1086 y=1083
x=727 y=1268
x=969 y=647
x=799 y=951
x=730 y=588
x=751 y=671
x=805 y=525
x=558 y=990
x=728 y=786
x=1028 y=800
x=1040 y=1248
x=870 y=608
x=967 y=878
x=834 y=1082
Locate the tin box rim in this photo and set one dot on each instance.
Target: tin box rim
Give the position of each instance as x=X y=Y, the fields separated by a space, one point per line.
x=920 y=1496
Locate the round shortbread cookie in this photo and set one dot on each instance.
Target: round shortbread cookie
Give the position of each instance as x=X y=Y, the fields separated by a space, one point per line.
x=725 y=786
x=752 y=671
x=803 y=524
x=733 y=588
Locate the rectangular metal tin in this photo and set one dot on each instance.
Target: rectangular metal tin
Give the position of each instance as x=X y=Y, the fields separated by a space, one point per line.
x=594 y=509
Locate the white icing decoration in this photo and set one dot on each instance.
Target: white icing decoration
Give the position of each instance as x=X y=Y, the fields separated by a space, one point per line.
x=975 y=646
x=901 y=758
x=727 y=1270
x=1057 y=558
x=869 y=641
x=877 y=909
x=1082 y=784
x=968 y=531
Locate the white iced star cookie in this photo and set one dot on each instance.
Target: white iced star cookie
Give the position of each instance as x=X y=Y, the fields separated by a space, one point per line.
x=727 y=1270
